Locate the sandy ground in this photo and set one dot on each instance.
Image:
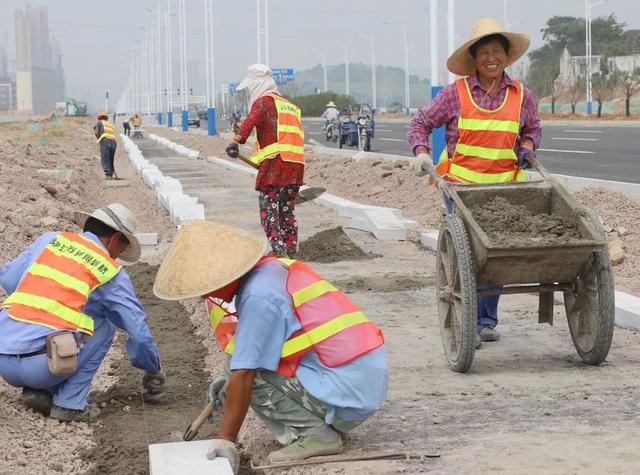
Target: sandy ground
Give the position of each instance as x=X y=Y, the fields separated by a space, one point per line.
x=31 y=444
x=527 y=406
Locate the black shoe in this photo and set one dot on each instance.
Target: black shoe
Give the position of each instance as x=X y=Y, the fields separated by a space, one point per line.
x=38 y=400
x=488 y=333
x=89 y=414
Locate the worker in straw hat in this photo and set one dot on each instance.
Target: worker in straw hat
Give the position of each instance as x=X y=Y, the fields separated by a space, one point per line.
x=330 y=114
x=310 y=364
x=67 y=295
x=279 y=157
x=491 y=121
x=105 y=134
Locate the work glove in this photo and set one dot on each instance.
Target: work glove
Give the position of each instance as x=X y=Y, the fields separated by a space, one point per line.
x=420 y=164
x=155 y=385
x=523 y=154
x=224 y=448
x=217 y=394
x=232 y=150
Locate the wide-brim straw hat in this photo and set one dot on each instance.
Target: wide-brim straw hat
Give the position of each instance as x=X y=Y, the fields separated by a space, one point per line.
x=118 y=217
x=461 y=62
x=103 y=115
x=331 y=104
x=204 y=257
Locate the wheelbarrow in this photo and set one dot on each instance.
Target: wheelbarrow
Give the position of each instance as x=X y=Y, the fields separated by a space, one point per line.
x=469 y=264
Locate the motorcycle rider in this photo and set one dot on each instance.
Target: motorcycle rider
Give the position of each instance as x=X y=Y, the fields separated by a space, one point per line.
x=330 y=114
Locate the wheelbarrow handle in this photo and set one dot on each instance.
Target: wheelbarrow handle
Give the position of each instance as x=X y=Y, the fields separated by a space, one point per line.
x=248 y=162
x=430 y=169
x=540 y=168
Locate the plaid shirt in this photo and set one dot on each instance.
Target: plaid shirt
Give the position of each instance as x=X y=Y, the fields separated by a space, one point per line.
x=445 y=110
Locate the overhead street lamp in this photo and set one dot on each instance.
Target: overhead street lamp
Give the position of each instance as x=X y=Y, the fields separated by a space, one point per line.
x=588 y=6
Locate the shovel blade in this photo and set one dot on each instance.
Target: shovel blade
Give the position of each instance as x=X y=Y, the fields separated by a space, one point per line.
x=309 y=194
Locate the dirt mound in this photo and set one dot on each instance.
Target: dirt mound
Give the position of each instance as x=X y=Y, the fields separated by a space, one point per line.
x=331 y=245
x=509 y=224
x=127 y=424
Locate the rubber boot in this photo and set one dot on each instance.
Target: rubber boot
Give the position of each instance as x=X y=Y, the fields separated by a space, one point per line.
x=38 y=400
x=324 y=442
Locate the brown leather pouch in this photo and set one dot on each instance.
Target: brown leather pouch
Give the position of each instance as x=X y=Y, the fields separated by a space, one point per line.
x=62 y=353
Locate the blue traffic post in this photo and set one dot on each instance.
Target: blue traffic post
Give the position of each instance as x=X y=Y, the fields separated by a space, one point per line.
x=589 y=108
x=159 y=118
x=170 y=119
x=437 y=136
x=185 y=121
x=211 y=121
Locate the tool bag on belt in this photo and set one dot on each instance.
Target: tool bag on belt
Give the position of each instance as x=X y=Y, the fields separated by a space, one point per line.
x=336 y=329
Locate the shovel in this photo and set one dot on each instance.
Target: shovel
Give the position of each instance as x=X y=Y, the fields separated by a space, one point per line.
x=195 y=426
x=308 y=193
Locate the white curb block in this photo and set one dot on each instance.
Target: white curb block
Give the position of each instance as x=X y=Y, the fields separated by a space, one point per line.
x=236 y=167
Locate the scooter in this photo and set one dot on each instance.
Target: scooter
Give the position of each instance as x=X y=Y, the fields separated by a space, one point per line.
x=366 y=127
x=331 y=131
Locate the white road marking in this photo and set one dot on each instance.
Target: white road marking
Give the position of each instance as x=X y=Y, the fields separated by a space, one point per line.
x=390 y=140
x=564 y=151
x=586 y=139
x=312 y=133
x=584 y=131
x=383 y=130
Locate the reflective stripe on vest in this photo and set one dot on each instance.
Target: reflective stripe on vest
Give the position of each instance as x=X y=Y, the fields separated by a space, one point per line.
x=290 y=144
x=59 y=282
x=137 y=121
x=485 y=149
x=335 y=328
x=108 y=133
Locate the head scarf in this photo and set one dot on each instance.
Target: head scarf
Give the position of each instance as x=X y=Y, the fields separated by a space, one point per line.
x=258 y=82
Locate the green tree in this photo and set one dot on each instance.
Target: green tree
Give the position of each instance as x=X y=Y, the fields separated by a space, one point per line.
x=629 y=83
x=313 y=105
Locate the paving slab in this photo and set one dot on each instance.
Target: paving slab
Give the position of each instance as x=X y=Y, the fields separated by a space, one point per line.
x=186 y=458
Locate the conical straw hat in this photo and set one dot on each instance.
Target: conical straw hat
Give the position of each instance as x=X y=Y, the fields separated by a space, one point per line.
x=205 y=257
x=461 y=62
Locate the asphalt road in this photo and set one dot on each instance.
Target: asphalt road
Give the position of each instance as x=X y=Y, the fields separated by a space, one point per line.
x=607 y=153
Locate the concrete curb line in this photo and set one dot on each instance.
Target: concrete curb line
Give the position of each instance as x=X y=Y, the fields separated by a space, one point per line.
x=181 y=206
x=627 y=305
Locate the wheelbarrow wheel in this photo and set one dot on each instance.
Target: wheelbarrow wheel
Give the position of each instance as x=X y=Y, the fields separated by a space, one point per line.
x=590 y=305
x=457 y=294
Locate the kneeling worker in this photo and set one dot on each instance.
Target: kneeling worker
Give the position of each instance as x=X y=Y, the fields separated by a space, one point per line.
x=67 y=295
x=308 y=361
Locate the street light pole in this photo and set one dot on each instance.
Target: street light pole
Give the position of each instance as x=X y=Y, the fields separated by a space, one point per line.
x=589 y=90
x=169 y=71
x=324 y=70
x=183 y=65
x=266 y=32
x=407 y=100
x=374 y=93
x=451 y=31
x=209 y=65
x=346 y=70
x=258 y=32
x=438 y=135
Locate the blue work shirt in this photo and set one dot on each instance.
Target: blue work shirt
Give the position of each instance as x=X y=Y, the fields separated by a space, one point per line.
x=266 y=319
x=115 y=301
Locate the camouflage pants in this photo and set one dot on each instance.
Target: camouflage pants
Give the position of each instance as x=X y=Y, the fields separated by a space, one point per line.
x=288 y=410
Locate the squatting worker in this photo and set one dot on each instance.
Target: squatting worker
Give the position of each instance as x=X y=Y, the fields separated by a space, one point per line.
x=280 y=157
x=491 y=121
x=308 y=394
x=106 y=134
x=71 y=281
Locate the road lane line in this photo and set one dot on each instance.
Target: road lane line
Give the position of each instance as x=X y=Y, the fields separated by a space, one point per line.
x=563 y=151
x=383 y=130
x=585 y=139
x=389 y=140
x=584 y=131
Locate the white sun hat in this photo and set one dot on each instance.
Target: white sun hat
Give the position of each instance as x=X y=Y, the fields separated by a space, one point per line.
x=120 y=218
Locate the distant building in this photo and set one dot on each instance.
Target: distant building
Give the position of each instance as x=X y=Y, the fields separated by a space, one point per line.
x=573 y=67
x=39 y=73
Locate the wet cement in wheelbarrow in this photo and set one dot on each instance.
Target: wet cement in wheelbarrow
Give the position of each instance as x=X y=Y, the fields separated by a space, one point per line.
x=331 y=245
x=127 y=425
x=507 y=224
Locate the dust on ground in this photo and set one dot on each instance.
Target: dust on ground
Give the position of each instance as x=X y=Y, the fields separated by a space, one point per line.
x=508 y=224
x=331 y=245
x=127 y=424
x=383 y=283
x=33 y=203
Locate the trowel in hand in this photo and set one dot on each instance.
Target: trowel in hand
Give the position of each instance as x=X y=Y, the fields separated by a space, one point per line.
x=195 y=426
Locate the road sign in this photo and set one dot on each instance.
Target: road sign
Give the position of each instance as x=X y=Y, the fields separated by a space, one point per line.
x=283 y=76
x=225 y=89
x=232 y=88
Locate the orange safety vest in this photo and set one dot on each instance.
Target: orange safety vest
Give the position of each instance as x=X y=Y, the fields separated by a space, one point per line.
x=290 y=144
x=336 y=329
x=487 y=138
x=108 y=133
x=58 y=283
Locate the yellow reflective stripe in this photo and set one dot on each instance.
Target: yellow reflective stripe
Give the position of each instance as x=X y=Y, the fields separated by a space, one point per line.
x=80 y=320
x=230 y=346
x=286 y=262
x=291 y=129
x=103 y=270
x=490 y=125
x=485 y=152
x=284 y=107
x=311 y=292
x=216 y=315
x=272 y=150
x=482 y=178
x=60 y=277
x=322 y=332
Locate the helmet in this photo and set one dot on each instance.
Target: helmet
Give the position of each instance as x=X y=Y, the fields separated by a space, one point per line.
x=103 y=115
